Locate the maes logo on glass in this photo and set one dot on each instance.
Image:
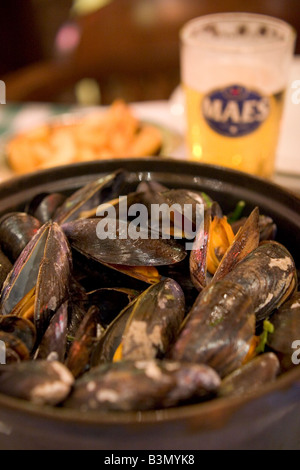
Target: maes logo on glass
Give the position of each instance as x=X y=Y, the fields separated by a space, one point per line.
x=235 y=111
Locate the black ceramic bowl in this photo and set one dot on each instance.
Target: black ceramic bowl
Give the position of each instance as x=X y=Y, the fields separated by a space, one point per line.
x=269 y=419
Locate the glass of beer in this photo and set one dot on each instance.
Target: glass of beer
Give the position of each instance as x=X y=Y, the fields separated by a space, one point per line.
x=234 y=70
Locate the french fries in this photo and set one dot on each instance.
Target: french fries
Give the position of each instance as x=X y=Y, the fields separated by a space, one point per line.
x=117 y=133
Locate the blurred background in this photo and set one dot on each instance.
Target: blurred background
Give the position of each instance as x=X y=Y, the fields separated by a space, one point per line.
x=93 y=51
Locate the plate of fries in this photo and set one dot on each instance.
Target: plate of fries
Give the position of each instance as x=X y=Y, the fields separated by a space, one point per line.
x=115 y=132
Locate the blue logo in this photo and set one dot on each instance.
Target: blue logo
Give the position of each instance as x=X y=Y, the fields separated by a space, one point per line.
x=235 y=111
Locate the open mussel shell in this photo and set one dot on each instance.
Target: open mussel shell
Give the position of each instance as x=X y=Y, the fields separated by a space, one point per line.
x=267 y=228
x=21 y=328
x=77 y=308
x=142 y=385
x=111 y=339
x=146 y=328
x=53 y=344
x=111 y=301
x=286 y=336
x=44 y=206
x=145 y=274
x=245 y=241
x=180 y=200
x=41 y=382
x=186 y=196
x=93 y=275
x=81 y=351
x=15 y=350
x=267 y=275
x=266 y=225
x=5 y=268
x=218 y=330
x=75 y=317
x=85 y=236
x=16 y=230
x=154 y=192
x=198 y=256
x=118 y=205
x=250 y=377
x=90 y=196
x=154 y=322
x=181 y=274
x=42 y=273
x=174 y=212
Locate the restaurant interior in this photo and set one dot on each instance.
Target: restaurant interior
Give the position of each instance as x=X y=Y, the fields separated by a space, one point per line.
x=129 y=47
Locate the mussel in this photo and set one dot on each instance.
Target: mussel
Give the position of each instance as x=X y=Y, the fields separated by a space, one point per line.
x=15 y=350
x=286 y=336
x=39 y=281
x=89 y=196
x=181 y=274
x=184 y=209
x=16 y=230
x=21 y=328
x=151 y=187
x=93 y=275
x=244 y=242
x=268 y=275
x=266 y=225
x=81 y=351
x=110 y=341
x=5 y=268
x=54 y=342
x=154 y=322
x=218 y=330
x=43 y=206
x=217 y=250
x=136 y=257
x=198 y=256
x=85 y=235
x=142 y=385
x=111 y=301
x=250 y=377
x=175 y=212
x=41 y=382
x=77 y=307
x=146 y=328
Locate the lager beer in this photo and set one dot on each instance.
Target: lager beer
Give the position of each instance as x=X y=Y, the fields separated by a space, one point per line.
x=234 y=81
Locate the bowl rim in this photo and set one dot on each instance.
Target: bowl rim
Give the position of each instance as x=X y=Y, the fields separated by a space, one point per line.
x=221 y=408
x=196 y=412
x=72 y=169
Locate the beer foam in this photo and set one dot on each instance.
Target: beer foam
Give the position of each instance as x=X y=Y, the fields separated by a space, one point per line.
x=203 y=75
x=243 y=49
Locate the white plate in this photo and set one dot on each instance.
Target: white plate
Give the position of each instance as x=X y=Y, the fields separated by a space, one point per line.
x=34 y=116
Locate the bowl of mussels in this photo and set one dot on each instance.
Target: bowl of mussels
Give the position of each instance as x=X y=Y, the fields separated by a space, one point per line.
x=114 y=339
